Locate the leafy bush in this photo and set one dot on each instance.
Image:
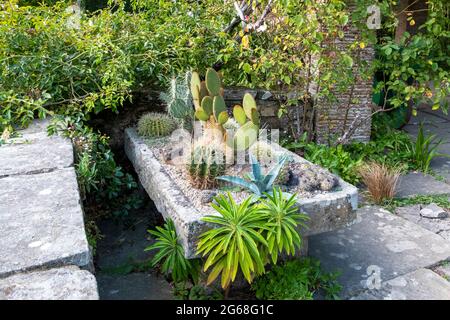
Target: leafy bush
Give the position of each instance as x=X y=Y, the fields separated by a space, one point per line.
x=97 y=171
x=296 y=280
x=49 y=67
x=394 y=148
x=336 y=159
x=171 y=254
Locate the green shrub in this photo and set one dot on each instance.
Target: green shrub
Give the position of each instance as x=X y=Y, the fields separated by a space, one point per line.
x=336 y=159
x=296 y=280
x=249 y=235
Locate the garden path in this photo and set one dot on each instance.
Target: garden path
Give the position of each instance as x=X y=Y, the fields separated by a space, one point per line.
x=402 y=256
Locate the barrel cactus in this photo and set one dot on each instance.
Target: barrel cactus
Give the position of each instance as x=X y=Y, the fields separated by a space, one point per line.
x=206 y=163
x=155 y=124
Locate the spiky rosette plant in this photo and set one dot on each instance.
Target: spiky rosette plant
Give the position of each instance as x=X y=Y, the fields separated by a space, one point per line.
x=207 y=162
x=155 y=124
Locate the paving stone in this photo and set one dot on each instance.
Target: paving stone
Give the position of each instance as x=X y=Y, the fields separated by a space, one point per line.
x=422 y=284
x=413 y=184
x=35 y=153
x=134 y=286
x=438 y=226
x=379 y=242
x=41 y=222
x=68 y=283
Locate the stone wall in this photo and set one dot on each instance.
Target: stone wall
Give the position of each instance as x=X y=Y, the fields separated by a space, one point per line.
x=331 y=120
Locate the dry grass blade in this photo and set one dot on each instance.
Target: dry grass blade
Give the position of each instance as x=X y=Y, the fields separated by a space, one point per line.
x=380 y=179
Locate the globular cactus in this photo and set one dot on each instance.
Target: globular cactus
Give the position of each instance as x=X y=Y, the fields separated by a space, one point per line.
x=206 y=163
x=178 y=100
x=155 y=124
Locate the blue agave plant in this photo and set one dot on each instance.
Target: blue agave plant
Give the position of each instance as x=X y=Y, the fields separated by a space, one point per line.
x=257 y=183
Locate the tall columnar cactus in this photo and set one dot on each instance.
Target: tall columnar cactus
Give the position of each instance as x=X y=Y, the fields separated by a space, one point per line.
x=178 y=99
x=155 y=124
x=210 y=107
x=206 y=164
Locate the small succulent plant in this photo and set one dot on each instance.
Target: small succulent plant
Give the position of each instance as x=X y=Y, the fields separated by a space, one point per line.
x=155 y=124
x=257 y=182
x=207 y=162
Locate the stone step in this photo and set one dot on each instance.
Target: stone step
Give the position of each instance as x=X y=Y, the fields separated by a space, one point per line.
x=67 y=283
x=422 y=284
x=35 y=152
x=416 y=183
x=41 y=222
x=379 y=246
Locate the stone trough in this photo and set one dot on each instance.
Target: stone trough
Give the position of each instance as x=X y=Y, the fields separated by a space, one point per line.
x=327 y=211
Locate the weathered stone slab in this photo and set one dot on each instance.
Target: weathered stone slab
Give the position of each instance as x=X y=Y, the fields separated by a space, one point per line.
x=413 y=184
x=433 y=211
x=41 y=222
x=68 y=283
x=35 y=152
x=379 y=245
x=422 y=284
x=438 y=226
x=326 y=211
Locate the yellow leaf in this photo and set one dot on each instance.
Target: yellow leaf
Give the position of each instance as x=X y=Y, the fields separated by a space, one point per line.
x=245 y=41
x=412 y=22
x=414 y=112
x=362 y=45
x=435 y=107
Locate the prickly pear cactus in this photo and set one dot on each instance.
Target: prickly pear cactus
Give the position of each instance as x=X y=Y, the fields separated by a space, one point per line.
x=210 y=108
